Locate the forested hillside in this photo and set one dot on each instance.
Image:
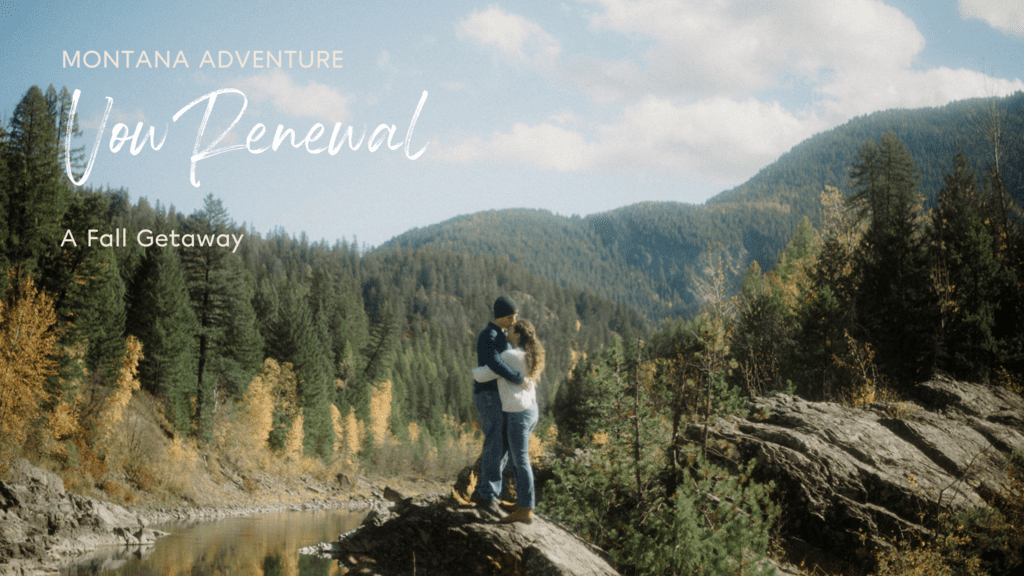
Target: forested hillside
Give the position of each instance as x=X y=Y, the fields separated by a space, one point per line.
x=216 y=300
x=654 y=257
x=567 y=251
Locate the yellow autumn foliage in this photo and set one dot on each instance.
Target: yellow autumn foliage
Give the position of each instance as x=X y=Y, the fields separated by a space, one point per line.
x=293 y=440
x=837 y=222
x=354 y=433
x=542 y=442
x=28 y=342
x=348 y=434
x=257 y=418
x=127 y=383
x=64 y=421
x=380 y=412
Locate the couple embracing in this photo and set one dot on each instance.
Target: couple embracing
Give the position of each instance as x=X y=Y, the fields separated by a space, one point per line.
x=510 y=359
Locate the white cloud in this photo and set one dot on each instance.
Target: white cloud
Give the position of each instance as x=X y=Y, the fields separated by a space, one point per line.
x=722 y=138
x=1007 y=16
x=725 y=140
x=707 y=48
x=546 y=145
x=864 y=91
x=517 y=38
x=313 y=100
x=708 y=94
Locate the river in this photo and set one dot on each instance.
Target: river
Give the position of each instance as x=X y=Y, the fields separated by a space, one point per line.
x=267 y=544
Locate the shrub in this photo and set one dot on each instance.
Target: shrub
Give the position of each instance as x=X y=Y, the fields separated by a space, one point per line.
x=651 y=491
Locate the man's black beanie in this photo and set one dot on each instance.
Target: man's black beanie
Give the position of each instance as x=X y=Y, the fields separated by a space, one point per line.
x=504 y=306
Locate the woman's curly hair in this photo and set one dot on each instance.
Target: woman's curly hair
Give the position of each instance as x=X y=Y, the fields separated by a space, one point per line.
x=534 y=349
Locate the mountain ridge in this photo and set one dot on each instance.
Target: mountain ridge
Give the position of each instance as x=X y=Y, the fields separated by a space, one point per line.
x=648 y=255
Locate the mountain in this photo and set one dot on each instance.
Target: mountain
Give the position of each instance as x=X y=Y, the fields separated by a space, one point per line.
x=656 y=257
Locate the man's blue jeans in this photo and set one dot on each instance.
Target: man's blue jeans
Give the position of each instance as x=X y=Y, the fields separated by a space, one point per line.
x=495 y=453
x=518 y=427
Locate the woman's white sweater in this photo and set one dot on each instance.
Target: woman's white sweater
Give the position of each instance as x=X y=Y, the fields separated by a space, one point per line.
x=514 y=398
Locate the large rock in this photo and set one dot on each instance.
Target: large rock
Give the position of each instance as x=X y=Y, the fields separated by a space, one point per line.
x=852 y=480
x=42 y=525
x=442 y=536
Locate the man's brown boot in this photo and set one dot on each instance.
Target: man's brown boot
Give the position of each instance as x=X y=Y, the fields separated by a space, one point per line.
x=524 y=515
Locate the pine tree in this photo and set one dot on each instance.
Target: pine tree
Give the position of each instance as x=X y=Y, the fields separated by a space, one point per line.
x=970 y=270
x=59 y=105
x=824 y=312
x=35 y=194
x=228 y=341
x=91 y=297
x=161 y=316
x=645 y=491
x=1007 y=227
x=240 y=349
x=763 y=333
x=885 y=184
x=297 y=338
x=377 y=358
x=894 y=304
x=340 y=307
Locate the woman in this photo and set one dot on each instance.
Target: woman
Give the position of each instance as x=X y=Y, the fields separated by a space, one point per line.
x=519 y=403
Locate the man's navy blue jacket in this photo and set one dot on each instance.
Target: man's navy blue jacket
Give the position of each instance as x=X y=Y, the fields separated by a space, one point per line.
x=489 y=346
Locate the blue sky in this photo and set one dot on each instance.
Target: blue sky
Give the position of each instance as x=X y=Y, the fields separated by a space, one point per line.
x=575 y=107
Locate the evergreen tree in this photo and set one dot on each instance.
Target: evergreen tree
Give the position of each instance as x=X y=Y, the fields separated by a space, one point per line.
x=1007 y=229
x=971 y=275
x=35 y=194
x=340 y=307
x=645 y=489
x=378 y=354
x=763 y=334
x=91 y=294
x=59 y=105
x=825 y=307
x=239 y=351
x=894 y=303
x=161 y=317
x=297 y=338
x=229 y=343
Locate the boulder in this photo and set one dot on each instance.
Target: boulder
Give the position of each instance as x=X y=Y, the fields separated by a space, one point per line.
x=42 y=525
x=853 y=480
x=443 y=535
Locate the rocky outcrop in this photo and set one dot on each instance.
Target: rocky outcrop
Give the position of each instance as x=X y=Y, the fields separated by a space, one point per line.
x=441 y=536
x=41 y=524
x=851 y=480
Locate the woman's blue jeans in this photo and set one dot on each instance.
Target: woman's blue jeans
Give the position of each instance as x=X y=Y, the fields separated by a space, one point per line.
x=494 y=454
x=518 y=427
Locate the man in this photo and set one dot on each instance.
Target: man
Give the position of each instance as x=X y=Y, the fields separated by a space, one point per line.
x=489 y=346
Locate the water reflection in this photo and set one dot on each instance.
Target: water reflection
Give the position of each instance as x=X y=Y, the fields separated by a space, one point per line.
x=266 y=544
